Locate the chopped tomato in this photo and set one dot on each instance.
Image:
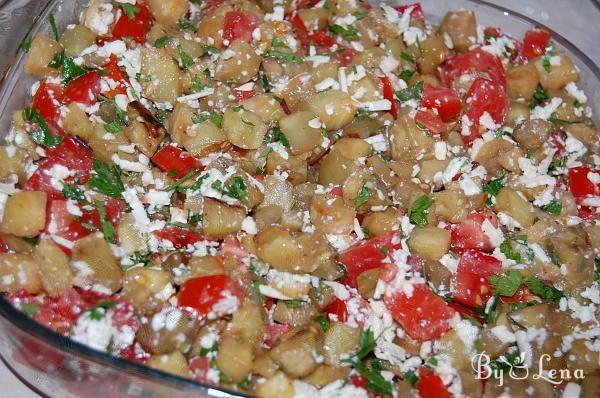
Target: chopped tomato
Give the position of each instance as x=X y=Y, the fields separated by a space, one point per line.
x=201 y=294
x=242 y=95
x=491 y=32
x=422 y=314
x=430 y=120
x=430 y=385
x=344 y=56
x=416 y=12
x=274 y=331
x=300 y=29
x=535 y=43
x=239 y=25
x=47 y=100
x=4 y=247
x=338 y=308
x=337 y=191
x=174 y=160
x=137 y=27
x=581 y=185
x=134 y=353
x=178 y=236
x=73 y=154
x=473 y=62
x=468 y=234
x=466 y=312
x=322 y=39
x=84 y=89
x=116 y=75
x=557 y=140
x=361 y=382
x=471 y=286
x=484 y=96
x=367 y=255
x=444 y=99
x=388 y=94
x=199 y=368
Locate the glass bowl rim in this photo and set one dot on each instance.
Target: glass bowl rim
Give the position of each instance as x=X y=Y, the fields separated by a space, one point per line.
x=26 y=324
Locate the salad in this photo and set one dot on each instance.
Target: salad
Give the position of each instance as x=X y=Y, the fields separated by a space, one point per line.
x=309 y=199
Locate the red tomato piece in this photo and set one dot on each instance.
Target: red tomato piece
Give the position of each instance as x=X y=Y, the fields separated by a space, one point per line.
x=300 y=29
x=475 y=61
x=484 y=96
x=238 y=25
x=366 y=255
x=83 y=89
x=73 y=154
x=337 y=191
x=580 y=184
x=361 y=382
x=444 y=99
x=59 y=222
x=430 y=120
x=178 y=236
x=535 y=43
x=430 y=385
x=338 y=308
x=388 y=94
x=416 y=12
x=468 y=234
x=274 y=331
x=344 y=56
x=201 y=294
x=47 y=100
x=466 y=312
x=491 y=32
x=199 y=368
x=242 y=95
x=116 y=75
x=322 y=39
x=172 y=159
x=134 y=353
x=423 y=315
x=471 y=286
x=137 y=27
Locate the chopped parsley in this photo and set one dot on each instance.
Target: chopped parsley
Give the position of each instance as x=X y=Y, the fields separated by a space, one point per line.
x=350 y=33
x=211 y=49
x=186 y=24
x=99 y=310
x=554 y=207
x=279 y=136
x=508 y=283
x=108 y=228
x=53 y=27
x=323 y=322
x=107 y=180
x=180 y=181
x=546 y=57
x=364 y=194
x=30 y=309
x=113 y=127
x=73 y=192
x=186 y=60
x=213 y=117
x=419 y=211
x=492 y=188
x=162 y=42
x=507 y=249
x=25 y=45
x=237 y=190
x=407 y=57
x=41 y=135
x=366 y=344
x=67 y=67
x=278 y=42
x=412 y=92
x=285 y=57
x=130 y=10
x=406 y=74
x=293 y=303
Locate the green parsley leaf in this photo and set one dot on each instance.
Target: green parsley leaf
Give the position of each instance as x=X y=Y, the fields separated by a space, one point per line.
x=213 y=117
x=360 y=15
x=323 y=322
x=285 y=57
x=162 y=42
x=278 y=42
x=25 y=45
x=69 y=70
x=545 y=291
x=507 y=249
x=246 y=122
x=107 y=227
x=113 y=127
x=279 y=136
x=293 y=303
x=266 y=83
x=406 y=75
x=107 y=180
x=211 y=49
x=413 y=92
x=563 y=121
x=32 y=241
x=411 y=377
x=186 y=24
x=30 y=309
x=407 y=57
x=546 y=57
x=507 y=284
x=540 y=95
x=204 y=351
x=419 y=211
x=180 y=181
x=73 y=192
x=554 y=207
x=186 y=60
x=366 y=344
x=53 y=27
x=41 y=135
x=350 y=33
x=492 y=188
x=375 y=382
x=364 y=194
x=493 y=312
x=141 y=258
x=130 y=10
x=597 y=266
x=237 y=190
x=505 y=363
x=99 y=310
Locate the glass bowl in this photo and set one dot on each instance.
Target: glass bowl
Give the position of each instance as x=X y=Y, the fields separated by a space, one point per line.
x=54 y=365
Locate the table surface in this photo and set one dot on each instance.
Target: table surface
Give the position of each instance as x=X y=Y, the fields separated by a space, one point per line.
x=576 y=20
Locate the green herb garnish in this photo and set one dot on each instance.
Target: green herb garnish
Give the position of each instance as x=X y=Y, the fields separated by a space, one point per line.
x=554 y=207
x=364 y=194
x=107 y=180
x=130 y=10
x=419 y=211
x=285 y=57
x=350 y=33
x=41 y=135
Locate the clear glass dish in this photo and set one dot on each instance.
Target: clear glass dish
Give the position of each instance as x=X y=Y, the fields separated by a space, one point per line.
x=58 y=367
